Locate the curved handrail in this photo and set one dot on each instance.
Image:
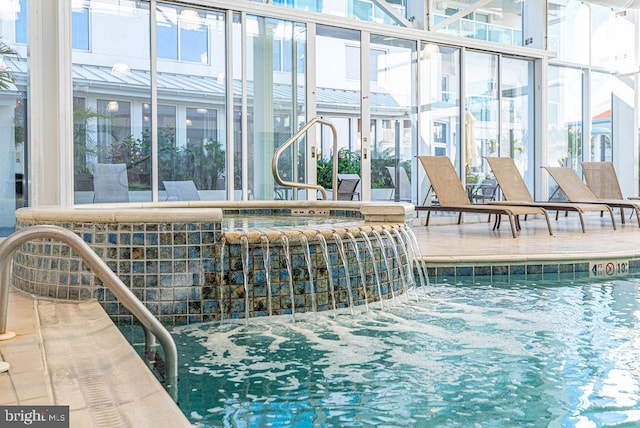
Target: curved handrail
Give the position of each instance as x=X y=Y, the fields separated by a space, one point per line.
x=291 y=140
x=108 y=277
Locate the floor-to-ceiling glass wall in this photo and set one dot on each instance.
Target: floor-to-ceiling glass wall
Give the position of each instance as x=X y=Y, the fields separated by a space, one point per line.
x=517 y=118
x=481 y=116
x=111 y=90
x=393 y=84
x=490 y=20
x=191 y=112
x=338 y=101
x=564 y=119
x=565 y=20
x=439 y=106
x=276 y=63
x=13 y=113
x=600 y=143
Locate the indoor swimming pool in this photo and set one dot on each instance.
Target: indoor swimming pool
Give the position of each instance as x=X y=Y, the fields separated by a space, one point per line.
x=469 y=353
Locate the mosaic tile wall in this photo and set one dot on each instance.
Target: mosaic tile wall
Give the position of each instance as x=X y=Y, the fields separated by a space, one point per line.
x=176 y=270
x=534 y=271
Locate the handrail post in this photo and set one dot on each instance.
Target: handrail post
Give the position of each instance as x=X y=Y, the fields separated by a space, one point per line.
x=106 y=275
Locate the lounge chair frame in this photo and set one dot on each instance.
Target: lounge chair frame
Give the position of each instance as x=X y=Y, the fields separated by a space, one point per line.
x=515 y=191
x=577 y=191
x=453 y=197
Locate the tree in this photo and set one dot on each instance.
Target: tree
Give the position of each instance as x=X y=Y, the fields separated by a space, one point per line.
x=6 y=75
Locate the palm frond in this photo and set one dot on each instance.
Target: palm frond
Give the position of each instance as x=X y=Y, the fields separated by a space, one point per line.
x=6 y=75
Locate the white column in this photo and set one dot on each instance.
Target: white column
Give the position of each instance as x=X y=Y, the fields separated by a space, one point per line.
x=50 y=107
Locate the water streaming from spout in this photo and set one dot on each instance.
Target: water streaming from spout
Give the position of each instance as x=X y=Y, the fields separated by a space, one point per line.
x=325 y=254
x=244 y=255
x=385 y=257
x=266 y=260
x=307 y=258
x=287 y=257
x=408 y=262
x=363 y=277
x=222 y=258
x=369 y=246
x=345 y=265
x=421 y=265
x=394 y=248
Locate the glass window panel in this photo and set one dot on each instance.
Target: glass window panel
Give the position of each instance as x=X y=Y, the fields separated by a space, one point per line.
x=497 y=21
x=192 y=104
x=611 y=34
x=565 y=20
x=481 y=119
x=517 y=115
x=363 y=10
x=13 y=119
x=278 y=101
x=564 y=117
x=338 y=100
x=193 y=37
x=167 y=32
x=108 y=128
x=600 y=143
x=393 y=119
x=80 y=28
x=240 y=164
x=21 y=22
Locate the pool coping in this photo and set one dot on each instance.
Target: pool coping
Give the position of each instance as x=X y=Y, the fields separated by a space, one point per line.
x=72 y=354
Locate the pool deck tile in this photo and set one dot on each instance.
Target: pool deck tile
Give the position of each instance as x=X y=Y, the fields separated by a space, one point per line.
x=72 y=354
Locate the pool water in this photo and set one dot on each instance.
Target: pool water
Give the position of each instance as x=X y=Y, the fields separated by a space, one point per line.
x=286 y=222
x=518 y=354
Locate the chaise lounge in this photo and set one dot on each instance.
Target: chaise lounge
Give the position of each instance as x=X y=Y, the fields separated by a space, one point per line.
x=577 y=191
x=515 y=191
x=452 y=196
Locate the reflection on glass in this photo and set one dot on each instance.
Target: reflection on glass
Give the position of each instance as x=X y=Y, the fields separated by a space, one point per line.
x=393 y=103
x=495 y=21
x=13 y=118
x=191 y=132
x=517 y=115
x=105 y=131
x=610 y=35
x=338 y=100
x=565 y=21
x=276 y=66
x=362 y=10
x=600 y=144
x=439 y=105
x=481 y=132
x=564 y=117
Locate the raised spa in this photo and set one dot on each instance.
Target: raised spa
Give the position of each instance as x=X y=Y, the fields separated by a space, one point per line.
x=205 y=261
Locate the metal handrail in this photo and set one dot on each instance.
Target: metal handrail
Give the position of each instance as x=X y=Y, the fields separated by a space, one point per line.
x=291 y=140
x=149 y=322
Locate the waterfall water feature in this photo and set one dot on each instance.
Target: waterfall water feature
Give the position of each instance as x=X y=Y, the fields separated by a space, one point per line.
x=244 y=255
x=287 y=254
x=266 y=259
x=417 y=255
x=363 y=277
x=369 y=246
x=364 y=264
x=385 y=257
x=394 y=248
x=325 y=254
x=345 y=264
x=222 y=259
x=408 y=264
x=307 y=258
